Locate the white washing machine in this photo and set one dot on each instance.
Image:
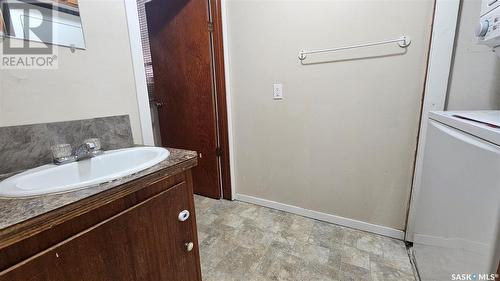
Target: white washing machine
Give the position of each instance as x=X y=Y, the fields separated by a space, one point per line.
x=456 y=222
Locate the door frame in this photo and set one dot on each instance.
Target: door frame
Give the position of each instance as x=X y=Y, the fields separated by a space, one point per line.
x=229 y=95
x=218 y=13
x=141 y=87
x=444 y=26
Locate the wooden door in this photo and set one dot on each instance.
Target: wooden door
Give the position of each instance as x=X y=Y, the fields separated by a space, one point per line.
x=182 y=65
x=145 y=242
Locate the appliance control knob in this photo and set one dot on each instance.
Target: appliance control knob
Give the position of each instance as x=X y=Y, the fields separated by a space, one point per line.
x=482 y=28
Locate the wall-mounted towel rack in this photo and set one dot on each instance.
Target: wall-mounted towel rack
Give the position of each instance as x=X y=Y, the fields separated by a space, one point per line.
x=403 y=42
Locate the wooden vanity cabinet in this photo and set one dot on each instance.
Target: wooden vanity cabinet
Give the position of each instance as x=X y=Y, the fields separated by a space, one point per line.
x=146 y=241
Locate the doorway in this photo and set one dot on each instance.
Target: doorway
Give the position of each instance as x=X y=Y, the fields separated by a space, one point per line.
x=185 y=39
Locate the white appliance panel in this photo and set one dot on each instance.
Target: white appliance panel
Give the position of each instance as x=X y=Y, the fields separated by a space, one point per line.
x=458 y=206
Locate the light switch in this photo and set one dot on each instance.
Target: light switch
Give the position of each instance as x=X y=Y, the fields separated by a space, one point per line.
x=278 y=91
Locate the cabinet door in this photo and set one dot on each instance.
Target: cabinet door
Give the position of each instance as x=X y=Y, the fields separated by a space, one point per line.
x=145 y=242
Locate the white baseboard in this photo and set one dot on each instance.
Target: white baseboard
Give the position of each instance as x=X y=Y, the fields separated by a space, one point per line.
x=364 y=226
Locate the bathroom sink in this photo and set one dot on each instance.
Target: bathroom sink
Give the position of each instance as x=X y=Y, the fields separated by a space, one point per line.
x=109 y=166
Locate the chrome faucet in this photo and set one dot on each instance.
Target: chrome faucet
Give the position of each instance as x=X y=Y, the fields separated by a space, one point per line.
x=86 y=150
x=62 y=153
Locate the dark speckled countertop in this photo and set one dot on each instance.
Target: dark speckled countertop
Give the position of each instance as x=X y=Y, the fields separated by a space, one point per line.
x=17 y=210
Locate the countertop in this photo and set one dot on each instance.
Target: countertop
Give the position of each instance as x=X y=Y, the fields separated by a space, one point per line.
x=16 y=210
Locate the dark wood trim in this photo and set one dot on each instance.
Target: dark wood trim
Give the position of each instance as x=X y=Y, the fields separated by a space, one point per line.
x=189 y=180
x=498 y=269
x=220 y=80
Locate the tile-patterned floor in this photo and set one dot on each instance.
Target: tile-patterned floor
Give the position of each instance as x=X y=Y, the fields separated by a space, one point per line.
x=241 y=241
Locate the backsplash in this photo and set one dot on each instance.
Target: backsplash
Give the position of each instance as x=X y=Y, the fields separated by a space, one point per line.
x=28 y=146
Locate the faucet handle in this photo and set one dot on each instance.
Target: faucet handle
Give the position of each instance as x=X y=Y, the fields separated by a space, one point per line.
x=60 y=151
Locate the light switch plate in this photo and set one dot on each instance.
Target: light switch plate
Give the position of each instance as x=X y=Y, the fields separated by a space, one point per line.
x=278 y=91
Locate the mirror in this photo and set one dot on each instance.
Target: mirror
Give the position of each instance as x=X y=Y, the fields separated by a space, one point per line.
x=55 y=22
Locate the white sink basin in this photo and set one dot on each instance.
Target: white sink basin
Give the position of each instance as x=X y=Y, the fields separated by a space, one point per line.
x=109 y=166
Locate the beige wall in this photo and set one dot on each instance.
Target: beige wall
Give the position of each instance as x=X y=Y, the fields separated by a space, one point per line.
x=342 y=141
x=95 y=82
x=474 y=82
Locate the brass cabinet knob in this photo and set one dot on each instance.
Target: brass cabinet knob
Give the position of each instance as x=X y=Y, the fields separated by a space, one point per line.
x=189 y=246
x=184 y=215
